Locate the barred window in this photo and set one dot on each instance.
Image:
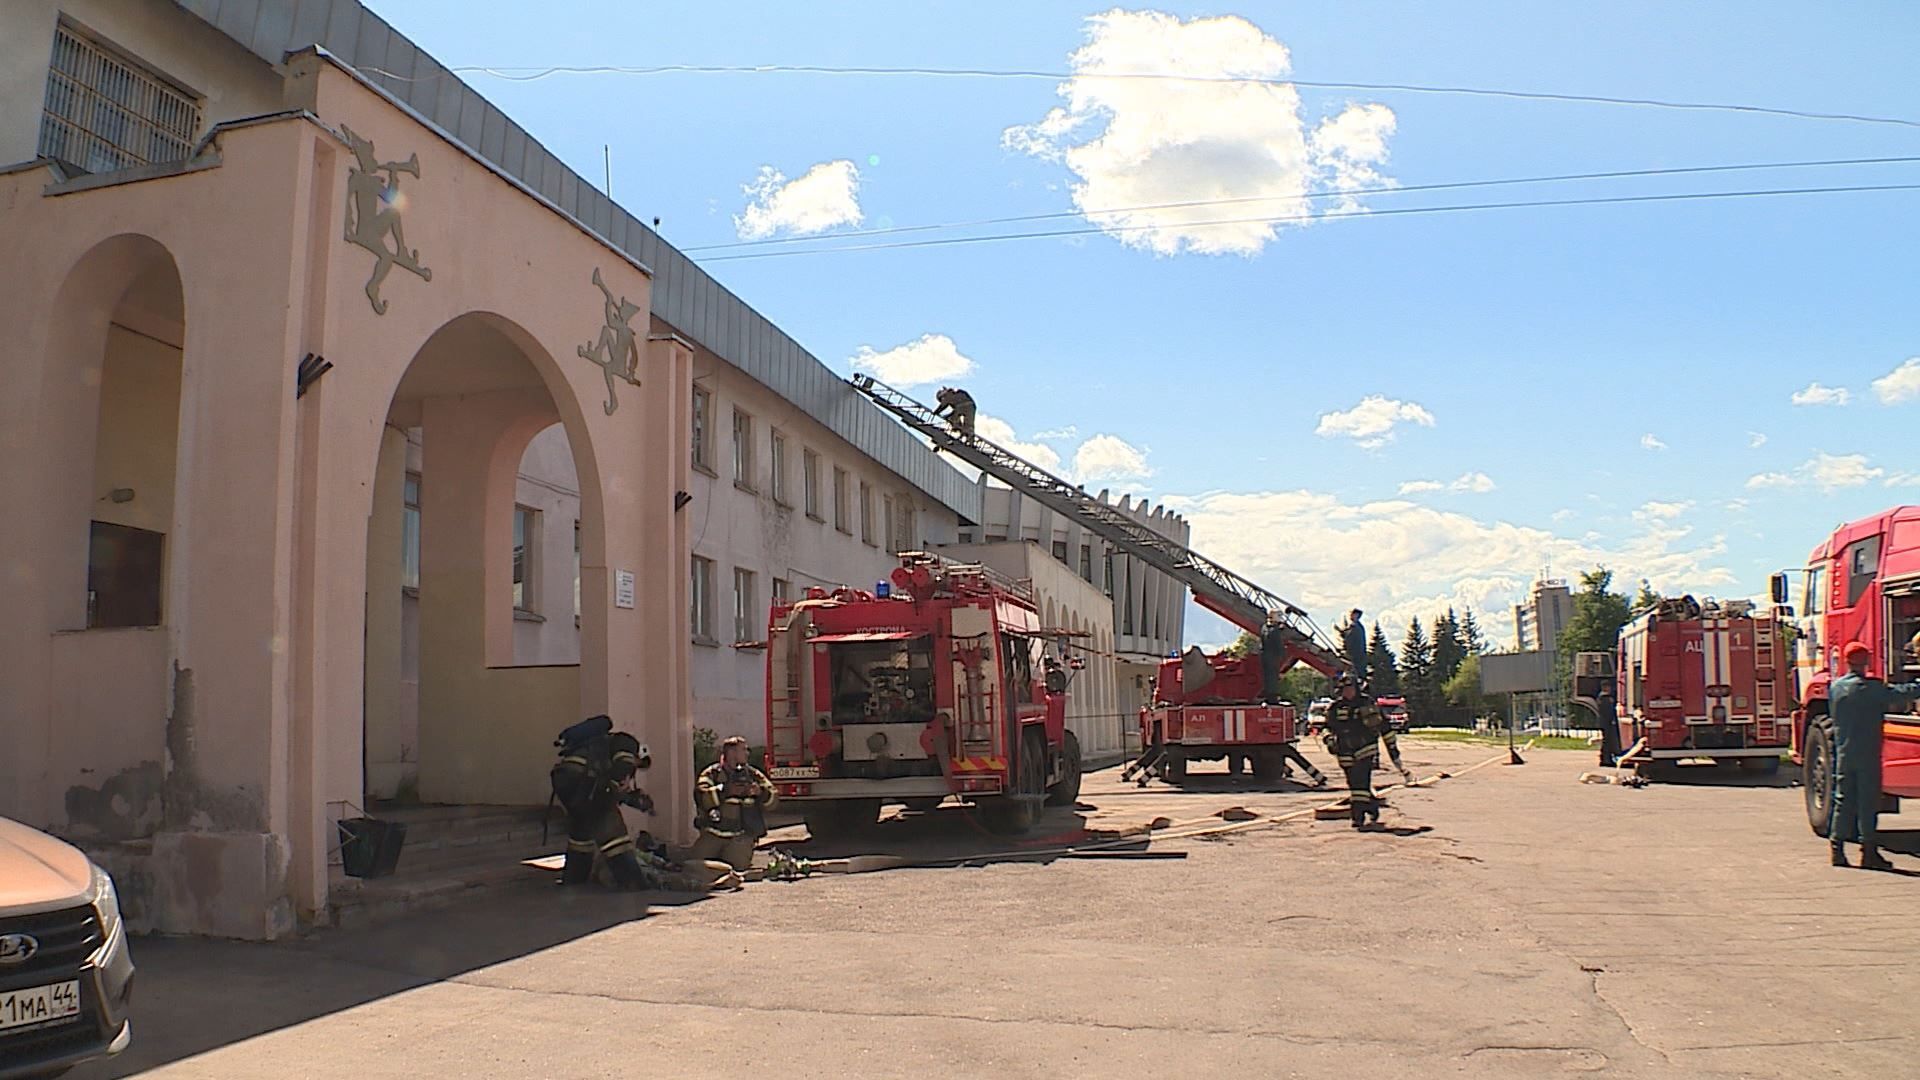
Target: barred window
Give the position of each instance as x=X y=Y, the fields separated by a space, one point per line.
x=106 y=111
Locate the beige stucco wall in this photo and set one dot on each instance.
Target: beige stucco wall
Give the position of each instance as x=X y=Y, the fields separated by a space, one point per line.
x=230 y=81
x=745 y=528
x=137 y=437
x=261 y=678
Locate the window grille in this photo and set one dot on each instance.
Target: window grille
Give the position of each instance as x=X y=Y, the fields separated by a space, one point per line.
x=105 y=112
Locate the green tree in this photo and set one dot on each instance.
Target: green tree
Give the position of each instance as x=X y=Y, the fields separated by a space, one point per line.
x=1463 y=690
x=1646 y=597
x=1598 y=615
x=1301 y=684
x=1382 y=669
x=1448 y=648
x=1244 y=645
x=1416 y=671
x=1471 y=635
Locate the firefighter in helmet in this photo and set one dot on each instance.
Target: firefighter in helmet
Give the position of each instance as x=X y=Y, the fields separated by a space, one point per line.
x=732 y=798
x=591 y=781
x=1859 y=703
x=957 y=406
x=1355 y=730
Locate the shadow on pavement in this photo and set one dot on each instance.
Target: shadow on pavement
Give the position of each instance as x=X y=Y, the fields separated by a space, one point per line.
x=1730 y=776
x=951 y=836
x=195 y=995
x=1900 y=841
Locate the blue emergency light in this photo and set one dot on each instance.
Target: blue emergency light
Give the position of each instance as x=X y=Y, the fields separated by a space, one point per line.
x=882 y=589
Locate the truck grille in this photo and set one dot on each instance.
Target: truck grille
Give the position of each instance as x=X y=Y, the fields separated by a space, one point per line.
x=66 y=937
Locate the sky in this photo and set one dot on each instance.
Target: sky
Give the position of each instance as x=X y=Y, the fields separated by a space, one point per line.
x=1357 y=405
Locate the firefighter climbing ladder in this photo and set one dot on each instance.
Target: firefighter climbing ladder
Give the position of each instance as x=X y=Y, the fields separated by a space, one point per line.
x=1214 y=587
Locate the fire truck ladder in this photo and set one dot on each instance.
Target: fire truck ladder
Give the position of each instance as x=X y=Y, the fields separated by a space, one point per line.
x=1214 y=587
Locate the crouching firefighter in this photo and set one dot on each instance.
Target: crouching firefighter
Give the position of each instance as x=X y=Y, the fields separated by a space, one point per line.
x=1355 y=730
x=591 y=781
x=732 y=797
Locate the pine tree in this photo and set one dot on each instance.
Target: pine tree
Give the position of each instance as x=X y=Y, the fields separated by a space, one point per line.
x=1416 y=672
x=1646 y=597
x=1382 y=669
x=1470 y=635
x=1448 y=648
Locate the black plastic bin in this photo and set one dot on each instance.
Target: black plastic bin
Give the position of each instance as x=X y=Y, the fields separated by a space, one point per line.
x=370 y=847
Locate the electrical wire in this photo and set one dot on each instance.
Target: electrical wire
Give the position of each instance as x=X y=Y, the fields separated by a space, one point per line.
x=535 y=74
x=1330 y=215
x=1327 y=193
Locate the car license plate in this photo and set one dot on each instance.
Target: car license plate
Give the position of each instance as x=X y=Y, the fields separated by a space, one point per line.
x=39 y=1004
x=795 y=772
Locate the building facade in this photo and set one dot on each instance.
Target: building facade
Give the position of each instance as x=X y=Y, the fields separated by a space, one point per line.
x=319 y=381
x=1078 y=616
x=1538 y=621
x=1149 y=609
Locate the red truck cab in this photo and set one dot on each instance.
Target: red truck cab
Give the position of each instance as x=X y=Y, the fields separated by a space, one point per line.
x=1862 y=584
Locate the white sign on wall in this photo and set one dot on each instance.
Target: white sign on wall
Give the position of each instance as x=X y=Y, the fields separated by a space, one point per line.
x=623 y=588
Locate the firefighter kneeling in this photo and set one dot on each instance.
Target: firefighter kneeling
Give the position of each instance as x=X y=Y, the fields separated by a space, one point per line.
x=592 y=780
x=732 y=798
x=1355 y=730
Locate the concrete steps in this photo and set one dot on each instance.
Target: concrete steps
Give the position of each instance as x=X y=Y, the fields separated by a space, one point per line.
x=449 y=851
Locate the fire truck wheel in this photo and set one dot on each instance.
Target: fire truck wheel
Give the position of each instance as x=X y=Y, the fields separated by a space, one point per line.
x=1816 y=776
x=1268 y=764
x=842 y=817
x=1173 y=767
x=1066 y=791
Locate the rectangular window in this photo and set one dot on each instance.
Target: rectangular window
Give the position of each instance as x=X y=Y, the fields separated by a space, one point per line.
x=777 y=458
x=124 y=568
x=702 y=414
x=782 y=590
x=526 y=542
x=743 y=449
x=810 y=482
x=106 y=111
x=410 y=532
x=1086 y=562
x=866 y=513
x=702 y=595
x=1108 y=586
x=966 y=536
x=908 y=539
x=1060 y=550
x=888 y=523
x=996 y=538
x=842 y=502
x=747 y=616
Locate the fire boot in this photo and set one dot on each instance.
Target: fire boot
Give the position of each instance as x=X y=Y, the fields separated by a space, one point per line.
x=578 y=868
x=1871 y=859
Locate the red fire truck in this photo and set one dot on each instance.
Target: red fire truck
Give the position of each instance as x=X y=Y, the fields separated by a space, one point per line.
x=1704 y=682
x=1204 y=707
x=940 y=682
x=1861 y=584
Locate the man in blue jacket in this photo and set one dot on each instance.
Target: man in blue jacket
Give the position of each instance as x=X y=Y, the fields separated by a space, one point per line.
x=1858 y=704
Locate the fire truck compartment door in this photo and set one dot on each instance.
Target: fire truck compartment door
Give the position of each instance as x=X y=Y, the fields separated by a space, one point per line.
x=868 y=635
x=871 y=742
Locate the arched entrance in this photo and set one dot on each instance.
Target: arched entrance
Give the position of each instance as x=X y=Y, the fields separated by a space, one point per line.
x=472 y=651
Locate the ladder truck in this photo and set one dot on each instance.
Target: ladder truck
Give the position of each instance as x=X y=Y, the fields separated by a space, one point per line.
x=1205 y=706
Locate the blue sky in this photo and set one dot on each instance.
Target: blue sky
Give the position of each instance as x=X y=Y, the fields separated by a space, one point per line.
x=1528 y=353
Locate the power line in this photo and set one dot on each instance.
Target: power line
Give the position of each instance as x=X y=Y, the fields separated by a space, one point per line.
x=1393 y=212
x=1322 y=194
x=533 y=74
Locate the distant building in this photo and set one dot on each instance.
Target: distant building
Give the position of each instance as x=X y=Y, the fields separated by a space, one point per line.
x=1538 y=622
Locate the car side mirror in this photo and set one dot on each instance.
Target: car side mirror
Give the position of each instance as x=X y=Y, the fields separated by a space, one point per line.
x=1778 y=584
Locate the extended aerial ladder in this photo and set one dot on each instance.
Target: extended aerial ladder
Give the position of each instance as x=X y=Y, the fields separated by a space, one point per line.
x=1214 y=587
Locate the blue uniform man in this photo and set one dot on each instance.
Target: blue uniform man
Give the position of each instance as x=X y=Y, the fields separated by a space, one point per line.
x=1858 y=704
x=1353 y=639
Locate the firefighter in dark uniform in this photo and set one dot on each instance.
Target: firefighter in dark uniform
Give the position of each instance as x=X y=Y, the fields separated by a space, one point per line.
x=957 y=406
x=732 y=797
x=591 y=781
x=1355 y=730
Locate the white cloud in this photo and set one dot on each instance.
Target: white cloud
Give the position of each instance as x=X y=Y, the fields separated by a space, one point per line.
x=1565 y=515
x=1397 y=559
x=1415 y=487
x=1069 y=432
x=1478 y=483
x=1815 y=394
x=1661 y=511
x=1109 y=457
x=933 y=358
x=1136 y=146
x=1650 y=441
x=828 y=195
x=1756 y=439
x=1900 y=384
x=1371 y=422
x=1001 y=433
x=1828 y=472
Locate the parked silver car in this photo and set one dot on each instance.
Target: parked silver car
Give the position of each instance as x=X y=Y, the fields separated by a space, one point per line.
x=65 y=973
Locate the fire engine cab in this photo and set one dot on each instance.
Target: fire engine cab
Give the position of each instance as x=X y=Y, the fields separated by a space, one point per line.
x=939 y=682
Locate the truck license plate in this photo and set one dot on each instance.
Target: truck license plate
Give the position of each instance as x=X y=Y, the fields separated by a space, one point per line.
x=39 y=1004
x=795 y=772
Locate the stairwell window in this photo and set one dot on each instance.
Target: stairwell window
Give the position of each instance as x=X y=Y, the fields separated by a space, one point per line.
x=526 y=541
x=782 y=590
x=747 y=616
x=743 y=450
x=810 y=483
x=842 y=502
x=106 y=111
x=866 y=513
x=702 y=423
x=781 y=491
x=410 y=533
